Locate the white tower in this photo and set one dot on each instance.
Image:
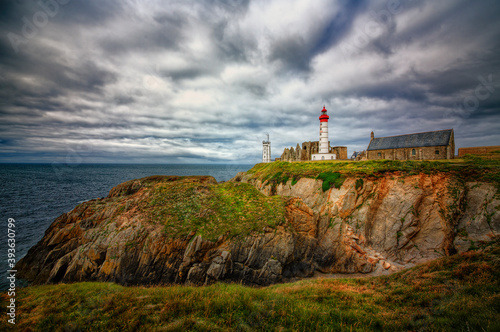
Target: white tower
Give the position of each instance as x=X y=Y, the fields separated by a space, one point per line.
x=266 y=150
x=323 y=131
x=324 y=147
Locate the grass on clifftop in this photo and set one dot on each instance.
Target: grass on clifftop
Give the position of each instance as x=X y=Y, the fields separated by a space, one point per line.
x=181 y=205
x=458 y=293
x=212 y=210
x=470 y=168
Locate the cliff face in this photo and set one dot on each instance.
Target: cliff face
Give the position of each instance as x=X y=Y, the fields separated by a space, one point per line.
x=191 y=230
x=177 y=230
x=394 y=221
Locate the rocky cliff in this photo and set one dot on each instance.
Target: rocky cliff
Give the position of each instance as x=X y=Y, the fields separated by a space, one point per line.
x=162 y=229
x=395 y=220
x=191 y=230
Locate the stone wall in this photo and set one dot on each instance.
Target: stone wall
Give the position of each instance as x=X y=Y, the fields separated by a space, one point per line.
x=309 y=148
x=292 y=154
x=478 y=150
x=340 y=151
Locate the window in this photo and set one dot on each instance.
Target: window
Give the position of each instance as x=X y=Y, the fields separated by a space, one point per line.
x=437 y=151
x=379 y=154
x=413 y=152
x=322 y=157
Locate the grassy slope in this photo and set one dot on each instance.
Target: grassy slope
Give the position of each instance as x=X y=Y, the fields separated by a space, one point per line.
x=457 y=293
x=181 y=205
x=334 y=172
x=214 y=210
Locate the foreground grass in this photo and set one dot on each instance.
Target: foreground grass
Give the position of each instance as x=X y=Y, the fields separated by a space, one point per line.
x=458 y=293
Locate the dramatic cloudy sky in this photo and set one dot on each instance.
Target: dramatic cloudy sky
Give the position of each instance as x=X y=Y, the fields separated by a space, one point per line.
x=203 y=81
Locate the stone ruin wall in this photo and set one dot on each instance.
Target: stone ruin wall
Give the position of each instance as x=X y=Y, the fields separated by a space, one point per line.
x=477 y=150
x=303 y=152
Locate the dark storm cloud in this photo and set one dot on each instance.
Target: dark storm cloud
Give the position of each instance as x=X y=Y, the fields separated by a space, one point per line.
x=231 y=6
x=463 y=74
x=231 y=48
x=185 y=74
x=446 y=95
x=296 y=52
x=16 y=14
x=92 y=12
x=124 y=100
x=333 y=32
x=204 y=81
x=396 y=89
x=46 y=63
x=292 y=51
x=165 y=31
x=255 y=89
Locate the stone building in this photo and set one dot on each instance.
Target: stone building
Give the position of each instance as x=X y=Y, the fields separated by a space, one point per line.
x=358 y=155
x=429 y=145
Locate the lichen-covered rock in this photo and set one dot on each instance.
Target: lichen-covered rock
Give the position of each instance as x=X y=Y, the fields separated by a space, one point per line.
x=481 y=220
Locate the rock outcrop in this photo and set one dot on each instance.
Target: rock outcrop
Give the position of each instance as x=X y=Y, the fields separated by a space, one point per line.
x=394 y=221
x=191 y=230
x=138 y=235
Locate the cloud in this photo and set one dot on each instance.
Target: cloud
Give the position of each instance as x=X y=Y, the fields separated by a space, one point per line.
x=155 y=81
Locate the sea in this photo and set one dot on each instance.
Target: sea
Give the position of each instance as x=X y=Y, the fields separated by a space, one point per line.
x=34 y=195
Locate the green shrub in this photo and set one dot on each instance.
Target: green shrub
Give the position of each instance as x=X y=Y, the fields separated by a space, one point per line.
x=331 y=180
x=359 y=184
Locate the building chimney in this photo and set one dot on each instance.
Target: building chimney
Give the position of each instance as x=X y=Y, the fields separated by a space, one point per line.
x=372 y=136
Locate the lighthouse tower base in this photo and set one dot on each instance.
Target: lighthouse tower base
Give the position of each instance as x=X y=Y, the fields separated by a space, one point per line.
x=323 y=156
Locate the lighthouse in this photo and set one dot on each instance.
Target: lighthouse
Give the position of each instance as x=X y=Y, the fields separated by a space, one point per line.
x=324 y=146
x=323 y=131
x=266 y=150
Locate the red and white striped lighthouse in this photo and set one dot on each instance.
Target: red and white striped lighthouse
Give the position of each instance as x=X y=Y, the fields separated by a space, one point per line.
x=323 y=131
x=324 y=146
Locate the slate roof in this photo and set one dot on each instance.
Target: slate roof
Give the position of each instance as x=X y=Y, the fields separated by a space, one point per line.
x=430 y=138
